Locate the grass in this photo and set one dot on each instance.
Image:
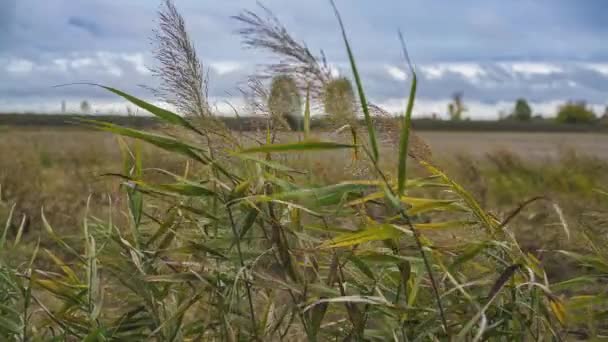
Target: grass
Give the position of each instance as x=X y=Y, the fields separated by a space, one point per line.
x=211 y=234
x=190 y=244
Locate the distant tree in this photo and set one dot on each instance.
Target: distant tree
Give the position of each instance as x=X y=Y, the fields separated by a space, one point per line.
x=604 y=117
x=63 y=107
x=538 y=117
x=522 y=110
x=285 y=102
x=456 y=108
x=85 y=107
x=575 y=113
x=339 y=100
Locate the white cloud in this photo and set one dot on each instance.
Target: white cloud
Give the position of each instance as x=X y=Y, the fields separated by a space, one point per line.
x=61 y=64
x=396 y=73
x=532 y=68
x=602 y=68
x=19 y=66
x=225 y=67
x=138 y=62
x=80 y=63
x=471 y=71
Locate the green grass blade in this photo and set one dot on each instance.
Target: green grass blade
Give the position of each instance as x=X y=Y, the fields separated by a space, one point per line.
x=160 y=113
x=405 y=130
x=307 y=114
x=163 y=142
x=375 y=233
x=368 y=119
x=297 y=147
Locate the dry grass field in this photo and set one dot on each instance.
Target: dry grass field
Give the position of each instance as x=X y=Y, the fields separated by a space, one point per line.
x=530 y=146
x=58 y=168
x=64 y=171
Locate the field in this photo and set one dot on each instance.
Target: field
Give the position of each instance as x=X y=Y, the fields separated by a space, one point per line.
x=58 y=169
x=55 y=166
x=529 y=146
x=65 y=171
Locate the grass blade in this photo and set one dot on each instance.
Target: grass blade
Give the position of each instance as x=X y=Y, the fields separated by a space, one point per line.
x=377 y=233
x=160 y=113
x=407 y=123
x=307 y=114
x=164 y=142
x=297 y=147
x=368 y=119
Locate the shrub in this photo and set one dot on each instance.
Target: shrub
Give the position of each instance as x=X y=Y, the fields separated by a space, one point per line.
x=575 y=113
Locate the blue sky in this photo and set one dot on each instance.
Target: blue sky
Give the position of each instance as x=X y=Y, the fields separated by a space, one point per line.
x=493 y=51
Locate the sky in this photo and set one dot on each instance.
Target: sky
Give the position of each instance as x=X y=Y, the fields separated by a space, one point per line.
x=493 y=51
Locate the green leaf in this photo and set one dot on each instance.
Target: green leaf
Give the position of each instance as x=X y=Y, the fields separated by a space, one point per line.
x=161 y=113
x=10 y=326
x=362 y=266
x=247 y=223
x=443 y=225
x=374 y=233
x=307 y=114
x=368 y=119
x=186 y=189
x=173 y=278
x=163 y=142
x=297 y=147
x=468 y=254
x=490 y=224
x=405 y=129
x=322 y=196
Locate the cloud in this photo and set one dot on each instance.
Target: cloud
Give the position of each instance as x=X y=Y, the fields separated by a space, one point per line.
x=470 y=71
x=532 y=68
x=602 y=68
x=225 y=67
x=138 y=61
x=493 y=51
x=19 y=66
x=85 y=24
x=396 y=73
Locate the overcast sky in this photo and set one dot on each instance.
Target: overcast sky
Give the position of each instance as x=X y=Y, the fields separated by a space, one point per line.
x=494 y=51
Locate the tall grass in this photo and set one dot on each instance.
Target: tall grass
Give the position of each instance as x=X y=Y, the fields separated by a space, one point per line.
x=241 y=246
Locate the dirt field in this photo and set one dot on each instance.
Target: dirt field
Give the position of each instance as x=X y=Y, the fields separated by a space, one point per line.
x=527 y=145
